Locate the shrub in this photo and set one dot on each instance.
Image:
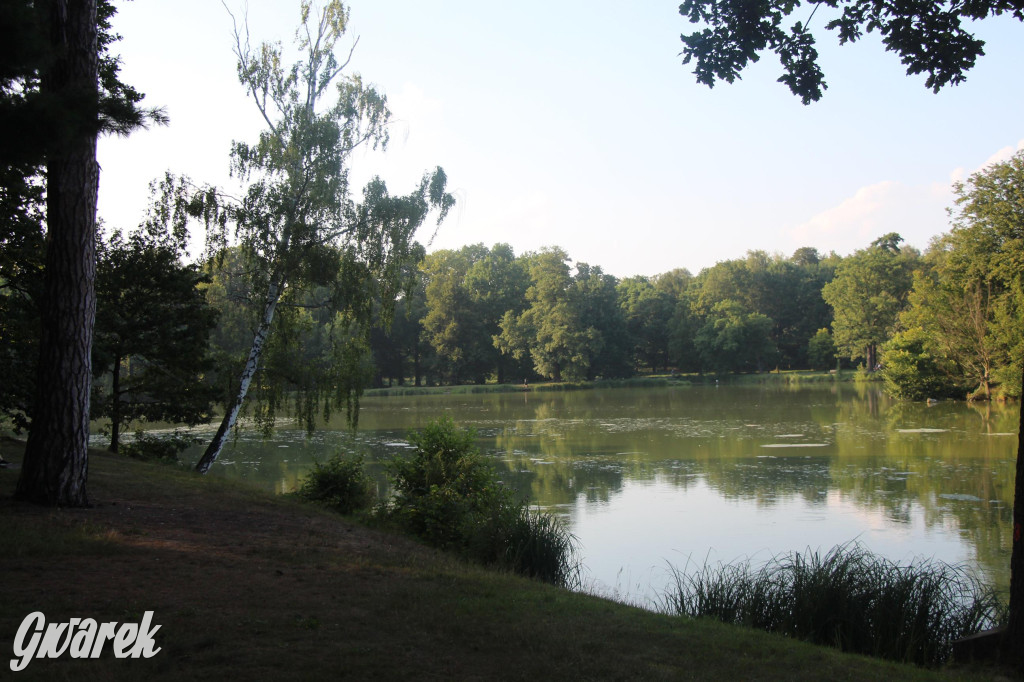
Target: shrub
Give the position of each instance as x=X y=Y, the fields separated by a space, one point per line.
x=447 y=494
x=340 y=485
x=821 y=350
x=444 y=487
x=157 y=448
x=910 y=371
x=849 y=599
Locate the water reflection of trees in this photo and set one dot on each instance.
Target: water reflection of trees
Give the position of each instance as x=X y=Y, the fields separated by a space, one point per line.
x=905 y=460
x=587 y=446
x=556 y=483
x=769 y=480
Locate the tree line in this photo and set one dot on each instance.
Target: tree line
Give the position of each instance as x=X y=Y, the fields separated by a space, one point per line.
x=939 y=323
x=299 y=232
x=318 y=292
x=172 y=336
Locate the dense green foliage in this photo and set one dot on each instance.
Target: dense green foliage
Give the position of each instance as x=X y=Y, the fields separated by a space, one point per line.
x=821 y=350
x=151 y=340
x=157 y=448
x=340 y=484
x=152 y=334
x=573 y=327
x=868 y=293
x=467 y=293
x=911 y=372
x=734 y=340
x=849 y=599
x=447 y=494
x=930 y=37
x=967 y=292
x=480 y=314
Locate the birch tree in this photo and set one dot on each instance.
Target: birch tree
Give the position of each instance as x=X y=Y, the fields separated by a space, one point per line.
x=296 y=223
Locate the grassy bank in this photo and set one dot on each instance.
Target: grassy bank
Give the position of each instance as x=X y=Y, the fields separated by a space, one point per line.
x=250 y=586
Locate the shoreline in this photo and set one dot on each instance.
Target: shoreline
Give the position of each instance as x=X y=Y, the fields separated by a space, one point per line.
x=254 y=585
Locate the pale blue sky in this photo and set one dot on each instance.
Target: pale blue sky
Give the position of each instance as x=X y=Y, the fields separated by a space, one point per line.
x=574 y=124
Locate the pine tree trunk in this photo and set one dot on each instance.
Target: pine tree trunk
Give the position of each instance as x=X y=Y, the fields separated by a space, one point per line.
x=115 y=405
x=416 y=363
x=251 y=364
x=56 y=463
x=1014 y=638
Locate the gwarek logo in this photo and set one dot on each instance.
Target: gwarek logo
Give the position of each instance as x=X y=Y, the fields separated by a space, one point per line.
x=81 y=638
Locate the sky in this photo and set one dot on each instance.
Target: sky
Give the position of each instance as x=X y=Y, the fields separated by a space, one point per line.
x=574 y=124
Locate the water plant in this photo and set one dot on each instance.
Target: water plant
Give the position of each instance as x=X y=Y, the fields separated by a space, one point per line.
x=848 y=598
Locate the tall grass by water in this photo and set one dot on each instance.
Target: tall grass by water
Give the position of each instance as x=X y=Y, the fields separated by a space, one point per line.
x=848 y=598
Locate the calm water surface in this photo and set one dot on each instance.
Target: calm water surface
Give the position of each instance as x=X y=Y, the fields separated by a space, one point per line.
x=648 y=478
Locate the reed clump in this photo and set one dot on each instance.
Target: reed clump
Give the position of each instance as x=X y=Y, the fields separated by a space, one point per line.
x=848 y=598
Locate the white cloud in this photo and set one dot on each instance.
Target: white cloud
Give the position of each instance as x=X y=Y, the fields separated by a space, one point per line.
x=915 y=212
x=1003 y=154
x=961 y=174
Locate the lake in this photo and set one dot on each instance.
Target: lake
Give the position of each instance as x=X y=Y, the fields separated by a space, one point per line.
x=658 y=477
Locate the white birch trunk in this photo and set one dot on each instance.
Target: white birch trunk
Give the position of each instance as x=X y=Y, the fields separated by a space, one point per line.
x=231 y=414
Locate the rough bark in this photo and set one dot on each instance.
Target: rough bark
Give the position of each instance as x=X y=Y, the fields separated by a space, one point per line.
x=251 y=365
x=416 y=363
x=115 y=405
x=55 y=466
x=1014 y=637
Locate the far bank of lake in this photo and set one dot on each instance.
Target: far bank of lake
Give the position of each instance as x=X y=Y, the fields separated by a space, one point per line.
x=650 y=477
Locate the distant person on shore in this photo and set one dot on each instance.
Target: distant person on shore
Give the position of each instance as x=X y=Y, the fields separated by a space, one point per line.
x=526 y=386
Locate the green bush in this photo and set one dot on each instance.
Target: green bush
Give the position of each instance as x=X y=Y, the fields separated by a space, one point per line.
x=821 y=350
x=444 y=487
x=849 y=599
x=341 y=485
x=911 y=371
x=157 y=448
x=447 y=494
